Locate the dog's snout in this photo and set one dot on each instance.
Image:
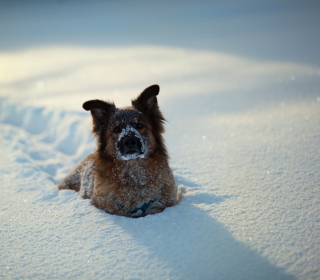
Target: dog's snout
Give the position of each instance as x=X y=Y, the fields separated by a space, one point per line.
x=130 y=145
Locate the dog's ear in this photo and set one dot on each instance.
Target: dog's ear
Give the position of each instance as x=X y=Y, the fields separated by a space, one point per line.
x=147 y=103
x=100 y=111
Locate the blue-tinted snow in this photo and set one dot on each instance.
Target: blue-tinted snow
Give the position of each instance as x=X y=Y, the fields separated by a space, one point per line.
x=240 y=90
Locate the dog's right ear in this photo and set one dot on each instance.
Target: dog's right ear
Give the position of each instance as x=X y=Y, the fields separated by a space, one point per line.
x=100 y=111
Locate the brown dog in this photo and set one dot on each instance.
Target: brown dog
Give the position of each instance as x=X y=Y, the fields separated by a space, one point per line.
x=128 y=174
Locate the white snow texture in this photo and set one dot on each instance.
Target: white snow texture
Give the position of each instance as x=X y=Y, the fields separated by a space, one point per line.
x=243 y=135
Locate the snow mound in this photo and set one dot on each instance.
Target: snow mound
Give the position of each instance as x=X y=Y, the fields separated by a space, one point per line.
x=61 y=138
x=50 y=234
x=247 y=157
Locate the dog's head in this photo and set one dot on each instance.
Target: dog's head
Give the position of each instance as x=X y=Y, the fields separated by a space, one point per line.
x=131 y=132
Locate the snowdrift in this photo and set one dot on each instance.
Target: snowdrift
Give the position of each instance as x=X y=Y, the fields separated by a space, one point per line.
x=246 y=152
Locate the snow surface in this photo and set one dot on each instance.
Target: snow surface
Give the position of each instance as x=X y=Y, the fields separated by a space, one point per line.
x=243 y=134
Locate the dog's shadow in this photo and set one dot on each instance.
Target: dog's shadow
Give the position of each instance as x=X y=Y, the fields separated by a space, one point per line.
x=196 y=246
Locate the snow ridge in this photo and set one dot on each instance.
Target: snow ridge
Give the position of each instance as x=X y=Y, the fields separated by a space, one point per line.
x=109 y=246
x=66 y=133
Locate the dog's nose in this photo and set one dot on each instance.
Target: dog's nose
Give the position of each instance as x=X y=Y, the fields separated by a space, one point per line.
x=130 y=143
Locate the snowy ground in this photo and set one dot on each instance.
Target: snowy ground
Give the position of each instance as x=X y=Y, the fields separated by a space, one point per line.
x=243 y=134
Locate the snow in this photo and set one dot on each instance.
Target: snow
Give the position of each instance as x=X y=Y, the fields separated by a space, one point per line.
x=243 y=135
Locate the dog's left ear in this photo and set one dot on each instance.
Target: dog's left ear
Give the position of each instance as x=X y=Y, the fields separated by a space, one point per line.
x=147 y=101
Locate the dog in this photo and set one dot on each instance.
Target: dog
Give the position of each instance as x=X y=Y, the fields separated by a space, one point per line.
x=128 y=174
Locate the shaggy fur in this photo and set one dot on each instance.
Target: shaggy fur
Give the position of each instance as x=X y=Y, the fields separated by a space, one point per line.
x=128 y=174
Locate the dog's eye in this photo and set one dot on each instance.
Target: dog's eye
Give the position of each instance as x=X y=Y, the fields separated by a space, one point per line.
x=139 y=126
x=117 y=129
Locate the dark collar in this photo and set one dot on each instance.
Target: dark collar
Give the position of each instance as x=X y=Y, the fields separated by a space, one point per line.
x=141 y=211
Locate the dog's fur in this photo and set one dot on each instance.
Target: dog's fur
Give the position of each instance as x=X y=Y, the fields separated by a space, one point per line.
x=128 y=174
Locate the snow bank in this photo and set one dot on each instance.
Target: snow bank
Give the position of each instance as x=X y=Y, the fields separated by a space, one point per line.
x=241 y=95
x=246 y=150
x=50 y=234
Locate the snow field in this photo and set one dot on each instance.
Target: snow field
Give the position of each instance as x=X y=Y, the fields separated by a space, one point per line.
x=236 y=204
x=245 y=150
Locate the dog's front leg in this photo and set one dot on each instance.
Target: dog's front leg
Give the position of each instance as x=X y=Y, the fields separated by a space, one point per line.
x=80 y=178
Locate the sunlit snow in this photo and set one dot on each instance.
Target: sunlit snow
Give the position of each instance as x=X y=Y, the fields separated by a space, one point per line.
x=242 y=133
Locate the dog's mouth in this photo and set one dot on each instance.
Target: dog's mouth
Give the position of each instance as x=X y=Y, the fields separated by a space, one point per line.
x=131 y=152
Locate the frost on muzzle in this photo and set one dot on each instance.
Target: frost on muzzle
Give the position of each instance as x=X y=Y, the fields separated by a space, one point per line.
x=131 y=144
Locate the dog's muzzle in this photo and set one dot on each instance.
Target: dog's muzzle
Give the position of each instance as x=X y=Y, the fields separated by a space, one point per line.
x=130 y=145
